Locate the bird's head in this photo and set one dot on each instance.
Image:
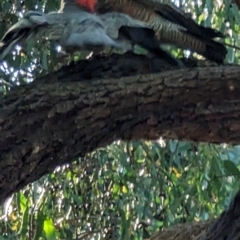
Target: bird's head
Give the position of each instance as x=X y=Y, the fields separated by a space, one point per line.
x=88 y=4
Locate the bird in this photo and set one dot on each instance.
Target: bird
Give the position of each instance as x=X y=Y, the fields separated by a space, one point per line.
x=172 y=25
x=76 y=26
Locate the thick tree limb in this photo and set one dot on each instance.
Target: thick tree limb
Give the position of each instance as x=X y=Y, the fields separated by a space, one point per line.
x=65 y=115
x=61 y=116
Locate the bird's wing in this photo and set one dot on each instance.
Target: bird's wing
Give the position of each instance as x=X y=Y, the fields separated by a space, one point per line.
x=87 y=32
x=21 y=31
x=122 y=26
x=113 y=21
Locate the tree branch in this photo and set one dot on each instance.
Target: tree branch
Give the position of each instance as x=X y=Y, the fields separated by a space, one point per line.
x=185 y=231
x=62 y=116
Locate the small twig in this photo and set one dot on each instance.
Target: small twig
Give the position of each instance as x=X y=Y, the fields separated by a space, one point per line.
x=3 y=82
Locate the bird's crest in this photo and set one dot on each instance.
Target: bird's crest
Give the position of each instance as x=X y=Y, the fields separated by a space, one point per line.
x=88 y=4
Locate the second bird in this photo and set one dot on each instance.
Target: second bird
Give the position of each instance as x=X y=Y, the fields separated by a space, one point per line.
x=171 y=24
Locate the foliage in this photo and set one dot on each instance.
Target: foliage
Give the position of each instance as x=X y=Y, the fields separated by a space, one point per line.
x=127 y=190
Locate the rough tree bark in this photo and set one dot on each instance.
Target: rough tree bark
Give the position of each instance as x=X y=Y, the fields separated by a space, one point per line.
x=186 y=231
x=68 y=113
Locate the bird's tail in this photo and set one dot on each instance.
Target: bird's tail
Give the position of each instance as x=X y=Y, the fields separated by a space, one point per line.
x=207 y=47
x=21 y=31
x=146 y=38
x=214 y=51
x=11 y=40
x=191 y=27
x=192 y=35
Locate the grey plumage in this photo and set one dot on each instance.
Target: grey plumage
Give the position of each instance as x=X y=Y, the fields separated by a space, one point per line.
x=77 y=29
x=87 y=32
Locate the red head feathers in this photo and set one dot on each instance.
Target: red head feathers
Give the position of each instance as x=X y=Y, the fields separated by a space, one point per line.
x=88 y=4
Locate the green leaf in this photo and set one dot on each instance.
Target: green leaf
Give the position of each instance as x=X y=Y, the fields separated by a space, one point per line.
x=231 y=167
x=25 y=223
x=49 y=229
x=41 y=217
